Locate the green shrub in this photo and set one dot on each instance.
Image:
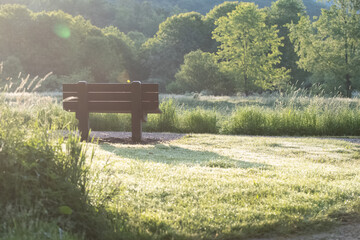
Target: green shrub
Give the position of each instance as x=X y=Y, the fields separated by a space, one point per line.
x=11 y=67
x=44 y=174
x=167 y=121
x=274 y=115
x=247 y=120
x=110 y=122
x=288 y=121
x=54 y=82
x=199 y=121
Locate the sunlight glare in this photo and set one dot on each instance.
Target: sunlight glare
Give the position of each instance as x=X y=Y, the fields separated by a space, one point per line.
x=62 y=30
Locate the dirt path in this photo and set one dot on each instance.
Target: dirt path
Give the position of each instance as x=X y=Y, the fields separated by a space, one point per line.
x=125 y=137
x=345 y=232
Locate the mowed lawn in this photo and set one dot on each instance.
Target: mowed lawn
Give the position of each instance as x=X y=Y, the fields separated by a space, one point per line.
x=230 y=187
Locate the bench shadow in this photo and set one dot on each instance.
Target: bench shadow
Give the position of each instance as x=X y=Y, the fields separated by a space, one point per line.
x=174 y=155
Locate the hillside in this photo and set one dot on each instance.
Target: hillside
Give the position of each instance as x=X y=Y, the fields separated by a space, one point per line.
x=203 y=6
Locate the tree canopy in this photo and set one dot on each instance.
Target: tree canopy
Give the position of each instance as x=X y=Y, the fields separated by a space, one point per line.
x=236 y=46
x=177 y=36
x=330 y=46
x=249 y=48
x=60 y=43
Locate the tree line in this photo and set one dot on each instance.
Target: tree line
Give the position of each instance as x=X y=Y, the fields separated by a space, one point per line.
x=136 y=15
x=235 y=47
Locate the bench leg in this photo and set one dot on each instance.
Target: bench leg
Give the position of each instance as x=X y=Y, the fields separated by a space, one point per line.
x=136 y=128
x=136 y=112
x=83 y=125
x=82 y=113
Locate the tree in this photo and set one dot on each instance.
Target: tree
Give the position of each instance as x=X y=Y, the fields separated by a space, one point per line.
x=330 y=47
x=39 y=43
x=126 y=55
x=249 y=49
x=281 y=13
x=177 y=36
x=139 y=16
x=221 y=10
x=201 y=71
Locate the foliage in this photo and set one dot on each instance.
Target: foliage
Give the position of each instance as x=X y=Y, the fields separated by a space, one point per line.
x=45 y=179
x=39 y=43
x=177 y=36
x=200 y=72
x=167 y=121
x=249 y=49
x=140 y=16
x=199 y=121
x=37 y=173
x=50 y=186
x=53 y=83
x=295 y=114
x=110 y=122
x=329 y=46
x=281 y=13
x=221 y=10
x=11 y=67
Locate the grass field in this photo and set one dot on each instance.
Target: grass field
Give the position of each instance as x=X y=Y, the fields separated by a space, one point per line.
x=233 y=187
x=202 y=186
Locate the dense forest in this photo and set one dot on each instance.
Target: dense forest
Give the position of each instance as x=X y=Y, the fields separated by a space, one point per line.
x=186 y=46
x=137 y=15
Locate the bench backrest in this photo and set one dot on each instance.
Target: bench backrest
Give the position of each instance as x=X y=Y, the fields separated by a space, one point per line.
x=111 y=97
x=135 y=98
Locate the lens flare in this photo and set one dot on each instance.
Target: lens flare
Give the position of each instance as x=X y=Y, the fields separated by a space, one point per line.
x=63 y=31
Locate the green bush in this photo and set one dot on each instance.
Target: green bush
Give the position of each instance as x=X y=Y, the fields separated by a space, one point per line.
x=44 y=174
x=291 y=115
x=110 y=122
x=199 y=121
x=167 y=121
x=248 y=120
x=289 y=121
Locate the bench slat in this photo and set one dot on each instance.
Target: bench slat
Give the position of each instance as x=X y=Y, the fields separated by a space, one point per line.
x=150 y=96
x=70 y=87
x=150 y=87
x=135 y=98
x=112 y=107
x=109 y=96
x=109 y=87
x=69 y=94
x=112 y=96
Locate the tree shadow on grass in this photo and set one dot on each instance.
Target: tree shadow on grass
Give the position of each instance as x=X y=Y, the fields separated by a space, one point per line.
x=169 y=154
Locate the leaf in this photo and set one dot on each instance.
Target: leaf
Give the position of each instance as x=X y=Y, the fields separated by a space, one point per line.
x=66 y=210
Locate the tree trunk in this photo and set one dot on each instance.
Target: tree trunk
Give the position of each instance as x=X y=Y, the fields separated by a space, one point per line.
x=347 y=76
x=246 y=90
x=348 y=85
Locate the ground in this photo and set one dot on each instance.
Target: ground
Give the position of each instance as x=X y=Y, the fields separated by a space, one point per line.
x=347 y=231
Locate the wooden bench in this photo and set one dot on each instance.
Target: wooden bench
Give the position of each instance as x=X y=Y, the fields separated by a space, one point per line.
x=135 y=98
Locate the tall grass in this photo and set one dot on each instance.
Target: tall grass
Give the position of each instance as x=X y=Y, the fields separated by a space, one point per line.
x=327 y=117
x=199 y=121
x=167 y=121
x=46 y=183
x=277 y=115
